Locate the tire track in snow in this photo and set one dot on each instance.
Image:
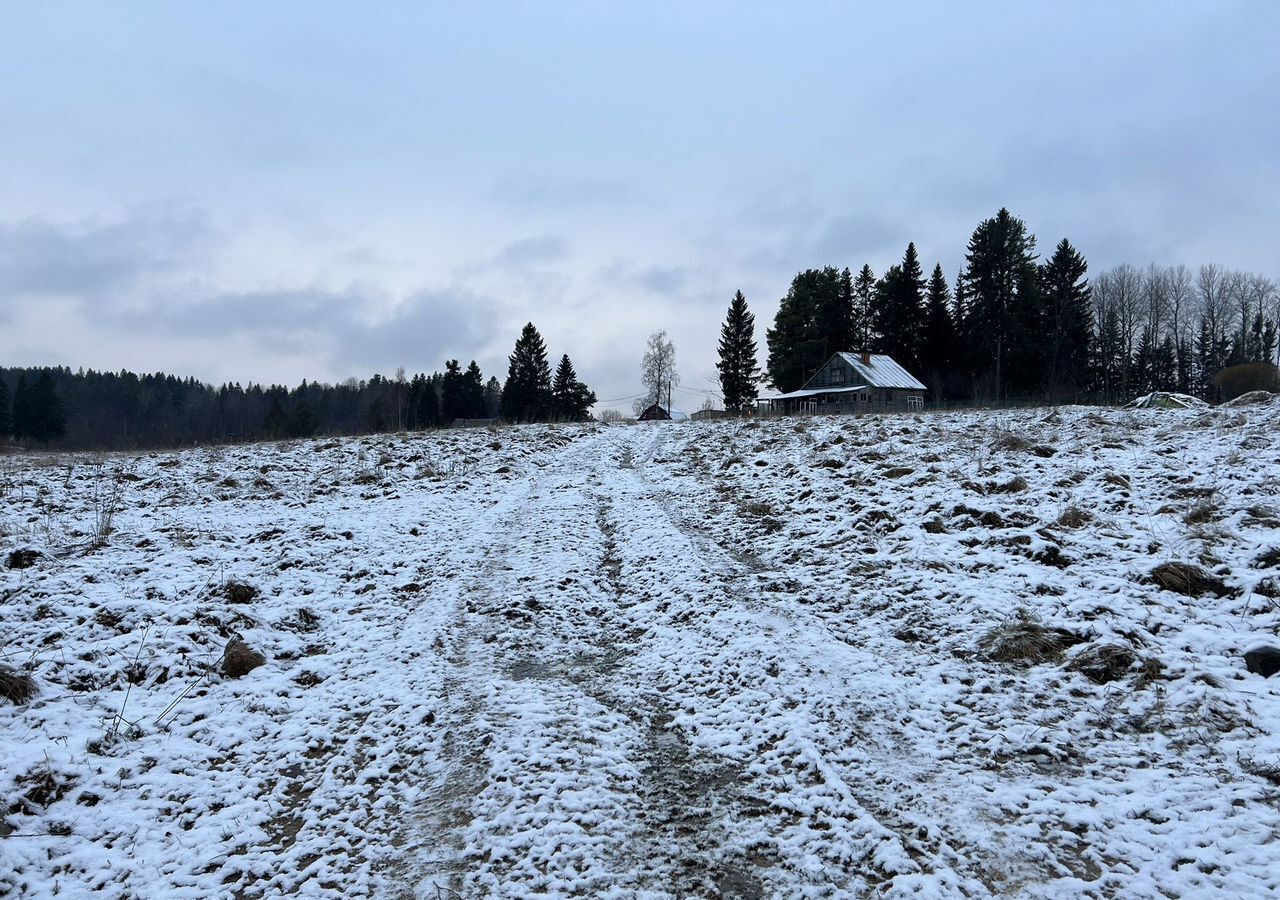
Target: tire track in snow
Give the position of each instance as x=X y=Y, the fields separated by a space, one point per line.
x=823 y=829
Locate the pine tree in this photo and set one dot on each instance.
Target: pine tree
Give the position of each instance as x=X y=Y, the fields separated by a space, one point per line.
x=864 y=290
x=453 y=402
x=6 y=421
x=492 y=398
x=1002 y=303
x=807 y=323
x=571 y=400
x=473 y=392
x=21 y=415
x=939 y=340
x=835 y=311
x=48 y=414
x=900 y=310
x=303 y=421
x=1067 y=328
x=526 y=397
x=737 y=363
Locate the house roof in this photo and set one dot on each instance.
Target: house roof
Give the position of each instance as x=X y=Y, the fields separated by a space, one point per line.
x=793 y=395
x=882 y=372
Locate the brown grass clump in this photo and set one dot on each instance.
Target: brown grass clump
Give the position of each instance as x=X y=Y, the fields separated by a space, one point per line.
x=1104 y=663
x=1074 y=517
x=16 y=687
x=1007 y=440
x=1115 y=479
x=1189 y=580
x=1015 y=485
x=1025 y=639
x=239 y=659
x=22 y=559
x=1202 y=513
x=1270 y=559
x=239 y=591
x=1016 y=443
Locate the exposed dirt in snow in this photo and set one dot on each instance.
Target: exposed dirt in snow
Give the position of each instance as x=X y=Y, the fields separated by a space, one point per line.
x=704 y=659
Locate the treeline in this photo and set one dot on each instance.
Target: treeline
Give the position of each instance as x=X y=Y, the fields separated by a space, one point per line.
x=86 y=409
x=1013 y=325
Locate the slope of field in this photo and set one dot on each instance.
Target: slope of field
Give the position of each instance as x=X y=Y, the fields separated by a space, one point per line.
x=938 y=655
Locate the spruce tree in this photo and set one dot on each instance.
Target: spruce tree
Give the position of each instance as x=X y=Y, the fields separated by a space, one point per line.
x=571 y=400
x=21 y=414
x=47 y=416
x=864 y=291
x=6 y=421
x=473 y=392
x=939 y=340
x=1067 y=327
x=492 y=398
x=453 y=403
x=1002 y=303
x=526 y=397
x=806 y=325
x=900 y=310
x=737 y=363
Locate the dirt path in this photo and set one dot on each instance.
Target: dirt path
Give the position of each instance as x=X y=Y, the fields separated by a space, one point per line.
x=561 y=764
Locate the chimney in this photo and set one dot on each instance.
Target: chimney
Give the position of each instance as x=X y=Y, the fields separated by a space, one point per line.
x=866 y=358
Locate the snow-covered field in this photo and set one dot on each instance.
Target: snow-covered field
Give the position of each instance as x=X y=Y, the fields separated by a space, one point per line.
x=881 y=656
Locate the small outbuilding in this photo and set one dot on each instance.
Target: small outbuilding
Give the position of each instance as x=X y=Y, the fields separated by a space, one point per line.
x=659 y=413
x=852 y=383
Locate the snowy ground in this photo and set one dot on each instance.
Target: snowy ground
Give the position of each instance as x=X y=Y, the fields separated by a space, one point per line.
x=667 y=660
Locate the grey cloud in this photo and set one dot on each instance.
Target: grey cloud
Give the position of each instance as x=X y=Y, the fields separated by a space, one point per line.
x=43 y=258
x=664 y=281
x=423 y=331
x=542 y=193
x=531 y=251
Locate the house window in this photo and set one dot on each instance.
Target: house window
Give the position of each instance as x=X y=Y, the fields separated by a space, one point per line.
x=837 y=376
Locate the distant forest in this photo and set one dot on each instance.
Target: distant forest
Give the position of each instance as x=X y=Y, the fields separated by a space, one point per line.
x=86 y=409
x=1013 y=326
x=1010 y=326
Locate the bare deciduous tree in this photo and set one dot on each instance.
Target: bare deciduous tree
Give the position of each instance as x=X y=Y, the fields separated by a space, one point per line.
x=658 y=369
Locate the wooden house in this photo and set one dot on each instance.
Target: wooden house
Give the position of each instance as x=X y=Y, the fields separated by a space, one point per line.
x=853 y=383
x=659 y=413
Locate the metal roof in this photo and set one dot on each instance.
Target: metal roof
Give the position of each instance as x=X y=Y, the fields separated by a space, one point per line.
x=882 y=372
x=813 y=393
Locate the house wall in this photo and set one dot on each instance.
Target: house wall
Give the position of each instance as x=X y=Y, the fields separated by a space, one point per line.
x=836 y=373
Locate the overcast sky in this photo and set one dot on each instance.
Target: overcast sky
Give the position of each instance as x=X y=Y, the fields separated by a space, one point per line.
x=278 y=191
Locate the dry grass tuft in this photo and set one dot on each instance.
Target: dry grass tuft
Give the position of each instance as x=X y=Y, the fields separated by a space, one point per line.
x=1074 y=517
x=1007 y=440
x=22 y=559
x=1115 y=479
x=1104 y=663
x=239 y=591
x=1015 y=485
x=16 y=687
x=239 y=659
x=1202 y=513
x=1025 y=639
x=1016 y=443
x=1189 y=580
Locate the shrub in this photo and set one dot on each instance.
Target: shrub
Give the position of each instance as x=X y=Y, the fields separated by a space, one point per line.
x=1247 y=377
